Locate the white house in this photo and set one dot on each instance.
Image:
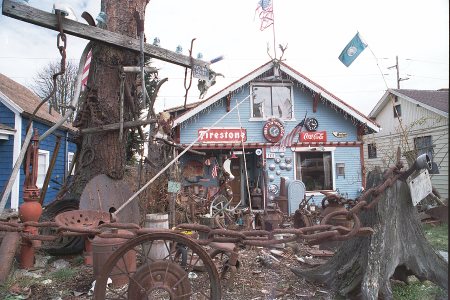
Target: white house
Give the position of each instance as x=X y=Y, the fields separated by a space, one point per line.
x=414 y=120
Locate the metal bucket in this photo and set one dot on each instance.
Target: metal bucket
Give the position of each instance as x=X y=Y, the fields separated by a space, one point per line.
x=157 y=250
x=103 y=248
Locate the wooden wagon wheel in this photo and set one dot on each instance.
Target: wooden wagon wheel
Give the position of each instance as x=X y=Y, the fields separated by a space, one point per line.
x=160 y=271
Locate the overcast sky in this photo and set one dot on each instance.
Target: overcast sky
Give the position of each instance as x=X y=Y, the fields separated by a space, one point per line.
x=315 y=32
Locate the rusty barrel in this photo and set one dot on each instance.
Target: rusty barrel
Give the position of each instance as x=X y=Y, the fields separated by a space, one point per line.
x=103 y=248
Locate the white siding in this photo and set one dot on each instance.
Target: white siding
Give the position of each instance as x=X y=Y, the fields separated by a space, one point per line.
x=416 y=122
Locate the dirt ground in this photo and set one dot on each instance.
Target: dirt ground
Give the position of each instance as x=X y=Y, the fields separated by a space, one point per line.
x=263 y=274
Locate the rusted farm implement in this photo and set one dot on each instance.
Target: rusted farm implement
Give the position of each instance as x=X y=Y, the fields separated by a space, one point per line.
x=177 y=264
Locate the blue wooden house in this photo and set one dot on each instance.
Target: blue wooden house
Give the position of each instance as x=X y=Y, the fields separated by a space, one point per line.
x=274 y=122
x=17 y=103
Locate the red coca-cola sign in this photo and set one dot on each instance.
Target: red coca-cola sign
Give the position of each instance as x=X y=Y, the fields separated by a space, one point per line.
x=314 y=136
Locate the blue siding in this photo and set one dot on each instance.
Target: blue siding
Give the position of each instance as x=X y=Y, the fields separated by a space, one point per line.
x=6 y=149
x=61 y=161
x=329 y=120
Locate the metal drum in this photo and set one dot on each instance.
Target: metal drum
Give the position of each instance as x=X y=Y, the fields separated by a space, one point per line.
x=103 y=248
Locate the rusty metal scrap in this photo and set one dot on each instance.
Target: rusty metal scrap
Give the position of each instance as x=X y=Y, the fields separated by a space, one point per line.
x=313 y=234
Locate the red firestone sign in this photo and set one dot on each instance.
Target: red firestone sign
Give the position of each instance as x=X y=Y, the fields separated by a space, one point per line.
x=222 y=135
x=316 y=136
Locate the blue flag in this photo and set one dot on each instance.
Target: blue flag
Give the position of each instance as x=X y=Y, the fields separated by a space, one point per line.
x=352 y=50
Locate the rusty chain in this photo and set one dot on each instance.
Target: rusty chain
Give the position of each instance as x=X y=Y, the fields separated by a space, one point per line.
x=313 y=234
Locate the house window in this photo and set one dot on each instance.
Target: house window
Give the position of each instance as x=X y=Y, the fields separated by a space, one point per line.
x=423 y=145
x=397 y=111
x=315 y=170
x=43 y=162
x=340 y=169
x=69 y=162
x=372 y=150
x=272 y=101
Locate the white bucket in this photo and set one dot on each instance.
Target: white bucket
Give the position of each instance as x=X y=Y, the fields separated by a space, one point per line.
x=159 y=249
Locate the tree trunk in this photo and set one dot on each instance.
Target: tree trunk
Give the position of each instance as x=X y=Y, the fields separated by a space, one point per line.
x=104 y=153
x=364 y=265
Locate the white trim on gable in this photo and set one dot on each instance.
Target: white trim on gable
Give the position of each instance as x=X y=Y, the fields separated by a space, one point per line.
x=383 y=102
x=10 y=104
x=247 y=78
x=219 y=95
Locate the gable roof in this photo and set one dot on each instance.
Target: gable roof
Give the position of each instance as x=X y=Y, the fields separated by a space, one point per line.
x=293 y=74
x=435 y=101
x=23 y=101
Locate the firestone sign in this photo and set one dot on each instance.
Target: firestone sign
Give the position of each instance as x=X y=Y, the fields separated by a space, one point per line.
x=316 y=136
x=222 y=135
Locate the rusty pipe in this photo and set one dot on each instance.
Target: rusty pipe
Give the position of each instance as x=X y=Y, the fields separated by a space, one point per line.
x=422 y=162
x=8 y=250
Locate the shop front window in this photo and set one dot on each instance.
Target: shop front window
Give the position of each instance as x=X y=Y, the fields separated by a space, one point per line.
x=271 y=101
x=314 y=169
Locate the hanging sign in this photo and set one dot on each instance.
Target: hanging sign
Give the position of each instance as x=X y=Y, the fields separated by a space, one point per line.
x=200 y=72
x=173 y=186
x=222 y=135
x=318 y=136
x=339 y=134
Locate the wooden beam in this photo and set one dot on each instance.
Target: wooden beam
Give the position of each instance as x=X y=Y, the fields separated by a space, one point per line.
x=172 y=144
x=116 y=126
x=48 y=20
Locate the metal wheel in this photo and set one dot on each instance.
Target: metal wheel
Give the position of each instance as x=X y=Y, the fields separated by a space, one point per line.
x=222 y=211
x=160 y=265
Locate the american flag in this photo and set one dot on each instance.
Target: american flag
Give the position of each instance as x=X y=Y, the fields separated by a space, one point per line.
x=215 y=170
x=85 y=75
x=265 y=11
x=288 y=139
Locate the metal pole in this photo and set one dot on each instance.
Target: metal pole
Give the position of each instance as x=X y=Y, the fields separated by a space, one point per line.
x=398 y=72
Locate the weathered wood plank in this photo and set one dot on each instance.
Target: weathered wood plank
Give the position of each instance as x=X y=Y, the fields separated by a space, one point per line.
x=48 y=20
x=116 y=126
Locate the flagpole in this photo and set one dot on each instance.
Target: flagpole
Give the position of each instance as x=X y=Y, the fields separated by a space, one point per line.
x=273 y=30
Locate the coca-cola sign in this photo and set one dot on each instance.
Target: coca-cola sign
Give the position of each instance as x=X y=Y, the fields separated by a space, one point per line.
x=316 y=136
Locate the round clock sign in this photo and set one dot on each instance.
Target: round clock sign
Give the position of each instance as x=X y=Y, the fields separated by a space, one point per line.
x=273 y=130
x=311 y=124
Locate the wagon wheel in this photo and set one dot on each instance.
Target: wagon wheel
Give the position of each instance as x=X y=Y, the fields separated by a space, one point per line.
x=160 y=270
x=221 y=209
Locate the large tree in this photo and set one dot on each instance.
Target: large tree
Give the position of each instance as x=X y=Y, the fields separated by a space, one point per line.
x=104 y=153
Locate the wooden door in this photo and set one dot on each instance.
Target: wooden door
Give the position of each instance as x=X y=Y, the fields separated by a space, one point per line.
x=236 y=182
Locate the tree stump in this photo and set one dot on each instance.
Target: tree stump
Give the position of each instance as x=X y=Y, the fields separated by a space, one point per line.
x=363 y=266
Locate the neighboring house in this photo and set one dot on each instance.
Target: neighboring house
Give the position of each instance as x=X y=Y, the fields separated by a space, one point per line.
x=258 y=110
x=416 y=121
x=17 y=103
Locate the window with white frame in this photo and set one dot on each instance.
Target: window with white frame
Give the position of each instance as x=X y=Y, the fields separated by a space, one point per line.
x=271 y=100
x=43 y=163
x=315 y=170
x=69 y=162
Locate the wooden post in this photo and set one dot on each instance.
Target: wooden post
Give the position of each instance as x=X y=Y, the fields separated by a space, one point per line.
x=50 y=169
